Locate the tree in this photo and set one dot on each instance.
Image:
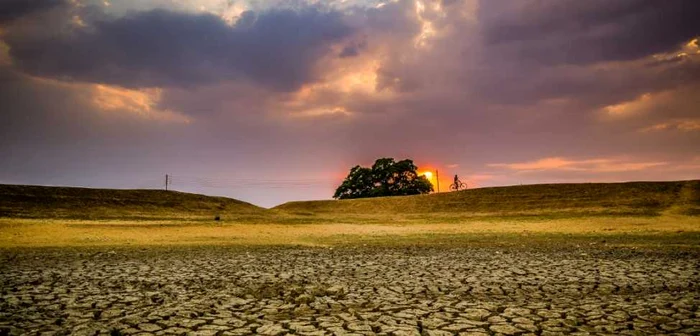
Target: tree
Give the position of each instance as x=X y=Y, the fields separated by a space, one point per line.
x=386 y=178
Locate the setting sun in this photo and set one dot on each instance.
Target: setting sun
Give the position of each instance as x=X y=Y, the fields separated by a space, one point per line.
x=428 y=175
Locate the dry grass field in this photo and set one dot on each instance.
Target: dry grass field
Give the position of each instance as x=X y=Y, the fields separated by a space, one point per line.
x=676 y=230
x=639 y=212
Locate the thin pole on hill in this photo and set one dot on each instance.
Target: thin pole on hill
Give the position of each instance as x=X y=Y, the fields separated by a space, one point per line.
x=437 y=179
x=166 y=182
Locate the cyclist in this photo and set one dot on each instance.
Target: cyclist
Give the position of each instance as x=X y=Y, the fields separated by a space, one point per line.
x=458 y=185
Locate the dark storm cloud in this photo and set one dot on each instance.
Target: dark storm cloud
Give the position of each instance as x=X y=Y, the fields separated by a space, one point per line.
x=353 y=49
x=466 y=98
x=277 y=48
x=14 y=9
x=595 y=53
x=592 y=87
x=581 y=32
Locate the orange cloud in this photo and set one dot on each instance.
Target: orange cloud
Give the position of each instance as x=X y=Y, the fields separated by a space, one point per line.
x=357 y=77
x=589 y=165
x=142 y=102
x=337 y=90
x=684 y=125
x=629 y=107
x=427 y=28
x=322 y=111
x=689 y=50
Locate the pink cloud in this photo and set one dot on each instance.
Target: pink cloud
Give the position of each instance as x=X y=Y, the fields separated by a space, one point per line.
x=597 y=165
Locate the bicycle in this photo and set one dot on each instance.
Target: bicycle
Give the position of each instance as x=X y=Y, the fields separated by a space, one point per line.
x=458 y=185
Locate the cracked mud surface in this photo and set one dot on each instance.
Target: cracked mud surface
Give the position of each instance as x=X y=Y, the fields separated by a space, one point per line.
x=346 y=291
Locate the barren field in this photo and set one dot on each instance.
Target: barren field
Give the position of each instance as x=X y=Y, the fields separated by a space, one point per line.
x=349 y=291
x=532 y=260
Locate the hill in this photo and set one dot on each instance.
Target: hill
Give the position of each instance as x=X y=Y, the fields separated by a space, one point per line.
x=529 y=201
x=19 y=201
x=631 y=198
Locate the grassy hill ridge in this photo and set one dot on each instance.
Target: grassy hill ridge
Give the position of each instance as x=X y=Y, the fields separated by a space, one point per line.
x=628 y=214
x=630 y=198
x=531 y=201
x=24 y=201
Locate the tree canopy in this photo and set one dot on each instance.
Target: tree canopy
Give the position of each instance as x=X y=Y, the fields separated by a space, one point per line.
x=385 y=178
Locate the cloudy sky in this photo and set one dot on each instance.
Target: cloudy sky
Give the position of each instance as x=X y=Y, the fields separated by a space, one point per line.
x=270 y=101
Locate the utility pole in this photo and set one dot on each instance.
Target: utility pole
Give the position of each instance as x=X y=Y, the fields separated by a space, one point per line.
x=166 y=182
x=437 y=179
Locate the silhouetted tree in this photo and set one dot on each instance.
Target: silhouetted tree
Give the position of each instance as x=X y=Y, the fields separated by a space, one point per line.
x=386 y=178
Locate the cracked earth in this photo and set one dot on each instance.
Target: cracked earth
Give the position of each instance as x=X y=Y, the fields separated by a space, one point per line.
x=348 y=291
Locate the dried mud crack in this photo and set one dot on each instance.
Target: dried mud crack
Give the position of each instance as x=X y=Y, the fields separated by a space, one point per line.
x=347 y=291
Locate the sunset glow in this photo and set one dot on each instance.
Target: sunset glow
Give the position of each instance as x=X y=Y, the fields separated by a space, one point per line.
x=269 y=101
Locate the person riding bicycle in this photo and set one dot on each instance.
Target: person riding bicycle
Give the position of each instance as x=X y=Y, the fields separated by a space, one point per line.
x=458 y=185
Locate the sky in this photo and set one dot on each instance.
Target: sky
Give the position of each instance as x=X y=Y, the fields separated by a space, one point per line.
x=273 y=101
